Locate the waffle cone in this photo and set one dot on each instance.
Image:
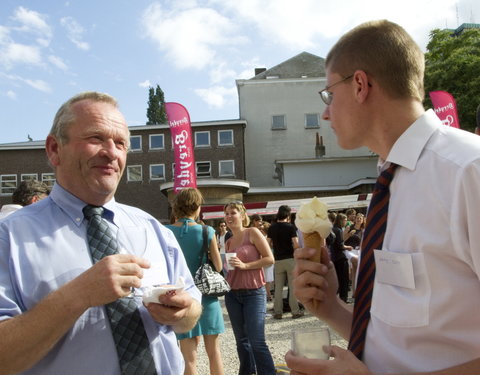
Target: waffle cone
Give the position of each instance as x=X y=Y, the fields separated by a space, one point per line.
x=315 y=241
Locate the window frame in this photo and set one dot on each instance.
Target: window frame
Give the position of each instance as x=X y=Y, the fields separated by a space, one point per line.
x=274 y=127
x=225 y=131
x=157 y=178
x=220 y=174
x=12 y=188
x=203 y=145
x=203 y=175
x=312 y=126
x=33 y=176
x=49 y=179
x=136 y=149
x=129 y=167
x=150 y=136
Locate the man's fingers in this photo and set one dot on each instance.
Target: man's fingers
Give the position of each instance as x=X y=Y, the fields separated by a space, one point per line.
x=130 y=258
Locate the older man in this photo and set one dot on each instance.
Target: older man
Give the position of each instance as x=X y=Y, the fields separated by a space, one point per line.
x=65 y=304
x=422 y=256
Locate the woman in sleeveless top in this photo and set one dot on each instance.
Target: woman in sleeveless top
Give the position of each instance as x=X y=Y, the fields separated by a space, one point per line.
x=246 y=302
x=186 y=208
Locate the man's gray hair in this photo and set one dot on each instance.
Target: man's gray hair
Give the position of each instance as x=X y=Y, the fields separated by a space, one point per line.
x=65 y=115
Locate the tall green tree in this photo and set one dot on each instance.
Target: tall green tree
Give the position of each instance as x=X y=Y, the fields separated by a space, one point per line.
x=156 y=106
x=452 y=64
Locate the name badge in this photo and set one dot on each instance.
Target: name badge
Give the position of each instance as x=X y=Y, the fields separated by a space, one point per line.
x=394 y=269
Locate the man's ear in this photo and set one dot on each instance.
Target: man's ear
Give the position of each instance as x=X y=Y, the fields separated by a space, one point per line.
x=51 y=147
x=362 y=86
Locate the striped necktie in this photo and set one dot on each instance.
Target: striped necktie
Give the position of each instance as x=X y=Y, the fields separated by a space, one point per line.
x=129 y=334
x=372 y=239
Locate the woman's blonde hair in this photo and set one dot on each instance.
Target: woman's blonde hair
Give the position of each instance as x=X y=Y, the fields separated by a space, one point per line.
x=386 y=52
x=186 y=202
x=240 y=208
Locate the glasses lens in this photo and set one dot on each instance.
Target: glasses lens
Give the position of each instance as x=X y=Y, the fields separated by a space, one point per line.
x=326 y=96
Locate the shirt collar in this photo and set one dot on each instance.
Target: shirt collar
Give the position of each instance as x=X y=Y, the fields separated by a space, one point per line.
x=73 y=206
x=407 y=149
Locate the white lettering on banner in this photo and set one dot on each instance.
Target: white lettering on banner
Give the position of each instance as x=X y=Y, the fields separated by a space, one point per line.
x=174 y=123
x=184 y=174
x=181 y=138
x=448 y=107
x=448 y=121
x=185 y=165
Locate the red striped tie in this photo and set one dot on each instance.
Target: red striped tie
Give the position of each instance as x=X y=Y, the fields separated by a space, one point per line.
x=372 y=239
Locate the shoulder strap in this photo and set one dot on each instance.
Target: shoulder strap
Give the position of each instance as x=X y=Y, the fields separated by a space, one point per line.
x=205 y=240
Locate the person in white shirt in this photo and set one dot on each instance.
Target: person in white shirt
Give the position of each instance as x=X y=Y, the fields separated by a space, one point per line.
x=424 y=321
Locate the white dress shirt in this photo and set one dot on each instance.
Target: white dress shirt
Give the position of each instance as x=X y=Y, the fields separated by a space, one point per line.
x=434 y=215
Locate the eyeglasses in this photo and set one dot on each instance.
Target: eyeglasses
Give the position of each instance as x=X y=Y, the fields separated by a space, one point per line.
x=326 y=95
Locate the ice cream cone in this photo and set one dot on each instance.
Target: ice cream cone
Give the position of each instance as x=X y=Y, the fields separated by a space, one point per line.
x=315 y=241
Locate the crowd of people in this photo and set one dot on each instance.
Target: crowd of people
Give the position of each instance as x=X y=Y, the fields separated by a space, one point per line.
x=73 y=260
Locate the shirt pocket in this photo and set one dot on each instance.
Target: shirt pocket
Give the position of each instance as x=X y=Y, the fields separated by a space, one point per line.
x=404 y=307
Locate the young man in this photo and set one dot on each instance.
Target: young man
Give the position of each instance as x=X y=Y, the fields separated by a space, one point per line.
x=282 y=238
x=421 y=320
x=53 y=296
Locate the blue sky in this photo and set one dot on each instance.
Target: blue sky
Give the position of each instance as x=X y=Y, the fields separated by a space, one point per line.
x=194 y=49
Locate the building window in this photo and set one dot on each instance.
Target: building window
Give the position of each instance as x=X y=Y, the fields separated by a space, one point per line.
x=202 y=139
x=28 y=176
x=311 y=121
x=48 y=178
x=226 y=168
x=8 y=184
x=136 y=143
x=134 y=173
x=157 y=142
x=203 y=168
x=278 y=122
x=157 y=171
x=225 y=137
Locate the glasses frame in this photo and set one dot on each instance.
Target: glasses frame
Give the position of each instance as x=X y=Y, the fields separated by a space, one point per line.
x=327 y=96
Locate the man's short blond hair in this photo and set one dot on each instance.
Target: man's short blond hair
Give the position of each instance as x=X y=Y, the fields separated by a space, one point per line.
x=386 y=52
x=65 y=116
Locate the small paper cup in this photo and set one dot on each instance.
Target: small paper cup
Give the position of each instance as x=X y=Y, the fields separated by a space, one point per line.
x=227 y=258
x=310 y=342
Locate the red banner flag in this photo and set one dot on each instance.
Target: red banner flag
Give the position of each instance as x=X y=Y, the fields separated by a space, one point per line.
x=179 y=122
x=445 y=107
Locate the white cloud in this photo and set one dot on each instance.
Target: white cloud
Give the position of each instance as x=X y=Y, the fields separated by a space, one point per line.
x=58 y=62
x=145 y=84
x=189 y=37
x=75 y=32
x=222 y=72
x=14 y=53
x=217 y=96
x=37 y=84
x=33 y=22
x=300 y=25
x=11 y=94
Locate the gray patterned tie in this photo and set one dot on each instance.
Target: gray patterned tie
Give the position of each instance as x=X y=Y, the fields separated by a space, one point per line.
x=130 y=338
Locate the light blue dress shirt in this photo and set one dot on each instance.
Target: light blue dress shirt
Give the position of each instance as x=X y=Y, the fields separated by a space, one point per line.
x=44 y=245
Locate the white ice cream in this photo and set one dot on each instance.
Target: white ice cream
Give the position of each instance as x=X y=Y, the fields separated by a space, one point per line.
x=313 y=217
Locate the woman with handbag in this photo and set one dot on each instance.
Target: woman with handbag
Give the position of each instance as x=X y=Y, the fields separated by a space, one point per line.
x=246 y=302
x=186 y=208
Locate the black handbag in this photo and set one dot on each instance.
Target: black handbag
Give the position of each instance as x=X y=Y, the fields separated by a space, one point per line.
x=206 y=279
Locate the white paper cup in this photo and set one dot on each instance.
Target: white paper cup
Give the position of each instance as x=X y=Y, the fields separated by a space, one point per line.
x=227 y=258
x=310 y=342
